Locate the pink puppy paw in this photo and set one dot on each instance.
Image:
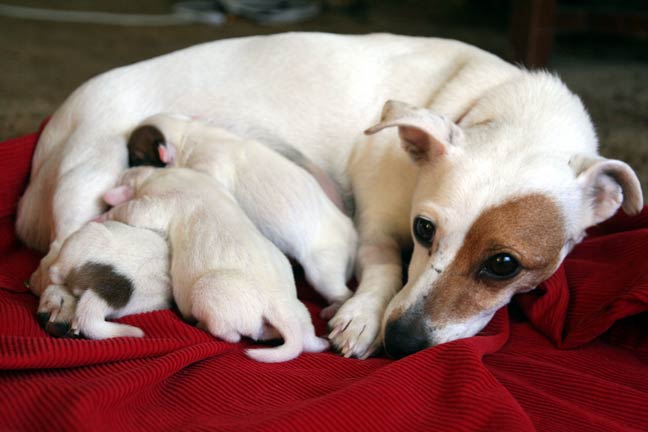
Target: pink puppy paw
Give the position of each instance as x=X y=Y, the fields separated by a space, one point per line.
x=118 y=195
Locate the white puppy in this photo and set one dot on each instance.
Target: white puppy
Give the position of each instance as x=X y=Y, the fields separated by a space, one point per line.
x=114 y=270
x=225 y=273
x=497 y=143
x=284 y=201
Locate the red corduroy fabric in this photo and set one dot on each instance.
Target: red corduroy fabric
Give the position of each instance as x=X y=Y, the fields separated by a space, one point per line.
x=572 y=356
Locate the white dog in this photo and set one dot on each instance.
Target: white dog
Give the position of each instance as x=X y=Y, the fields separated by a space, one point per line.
x=283 y=200
x=225 y=273
x=114 y=270
x=500 y=177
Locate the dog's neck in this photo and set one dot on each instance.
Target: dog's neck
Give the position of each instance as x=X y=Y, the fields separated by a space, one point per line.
x=534 y=100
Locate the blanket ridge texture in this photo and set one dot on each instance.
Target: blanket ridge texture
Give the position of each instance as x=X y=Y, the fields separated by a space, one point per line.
x=571 y=355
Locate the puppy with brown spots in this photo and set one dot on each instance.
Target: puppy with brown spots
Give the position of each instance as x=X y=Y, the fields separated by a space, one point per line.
x=106 y=270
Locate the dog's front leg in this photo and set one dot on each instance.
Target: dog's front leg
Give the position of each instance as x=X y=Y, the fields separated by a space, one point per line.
x=356 y=326
x=383 y=179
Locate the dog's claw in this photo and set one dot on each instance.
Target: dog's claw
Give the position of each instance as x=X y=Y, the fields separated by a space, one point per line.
x=336 y=331
x=348 y=349
x=355 y=327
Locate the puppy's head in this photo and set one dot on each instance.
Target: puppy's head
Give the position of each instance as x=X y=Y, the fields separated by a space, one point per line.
x=155 y=140
x=488 y=221
x=143 y=146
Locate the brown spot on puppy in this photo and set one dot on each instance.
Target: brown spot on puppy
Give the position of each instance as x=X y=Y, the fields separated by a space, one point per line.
x=529 y=229
x=112 y=286
x=143 y=146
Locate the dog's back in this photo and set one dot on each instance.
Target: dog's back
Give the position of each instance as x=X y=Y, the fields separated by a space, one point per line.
x=354 y=75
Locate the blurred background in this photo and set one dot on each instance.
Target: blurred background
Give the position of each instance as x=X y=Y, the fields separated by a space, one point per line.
x=599 y=47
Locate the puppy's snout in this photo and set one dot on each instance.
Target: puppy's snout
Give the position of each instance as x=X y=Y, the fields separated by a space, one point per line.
x=404 y=337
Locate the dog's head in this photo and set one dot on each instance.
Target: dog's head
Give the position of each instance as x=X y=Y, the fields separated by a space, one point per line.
x=489 y=219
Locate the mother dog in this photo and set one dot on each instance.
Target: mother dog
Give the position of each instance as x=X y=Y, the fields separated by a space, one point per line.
x=494 y=181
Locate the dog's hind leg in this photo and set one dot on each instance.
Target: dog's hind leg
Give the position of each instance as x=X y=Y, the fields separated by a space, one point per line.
x=34 y=216
x=326 y=271
x=90 y=319
x=221 y=302
x=34 y=224
x=78 y=196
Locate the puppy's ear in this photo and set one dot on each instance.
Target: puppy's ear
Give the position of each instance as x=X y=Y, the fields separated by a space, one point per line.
x=424 y=135
x=167 y=153
x=607 y=184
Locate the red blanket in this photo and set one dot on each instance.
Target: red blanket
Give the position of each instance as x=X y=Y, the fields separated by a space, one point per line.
x=572 y=355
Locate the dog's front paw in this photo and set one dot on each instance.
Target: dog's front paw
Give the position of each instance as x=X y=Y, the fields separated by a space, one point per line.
x=56 y=311
x=355 y=327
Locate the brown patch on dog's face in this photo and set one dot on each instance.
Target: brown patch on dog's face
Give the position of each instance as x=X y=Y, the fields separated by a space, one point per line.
x=143 y=146
x=528 y=230
x=508 y=249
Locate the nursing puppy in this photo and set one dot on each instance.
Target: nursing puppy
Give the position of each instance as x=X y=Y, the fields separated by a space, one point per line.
x=113 y=270
x=493 y=185
x=283 y=200
x=225 y=274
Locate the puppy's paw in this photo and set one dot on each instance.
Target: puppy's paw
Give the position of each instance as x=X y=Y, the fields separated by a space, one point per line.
x=355 y=327
x=329 y=311
x=56 y=311
x=118 y=195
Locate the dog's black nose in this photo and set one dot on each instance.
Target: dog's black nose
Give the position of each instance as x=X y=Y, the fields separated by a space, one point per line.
x=402 y=338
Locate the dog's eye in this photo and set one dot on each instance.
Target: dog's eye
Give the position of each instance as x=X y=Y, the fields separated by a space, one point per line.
x=424 y=230
x=500 y=267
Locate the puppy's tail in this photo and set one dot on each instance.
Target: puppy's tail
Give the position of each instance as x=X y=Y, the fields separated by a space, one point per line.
x=297 y=331
x=290 y=329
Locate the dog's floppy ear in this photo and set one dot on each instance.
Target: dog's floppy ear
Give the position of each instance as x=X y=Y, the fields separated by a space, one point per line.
x=424 y=135
x=607 y=184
